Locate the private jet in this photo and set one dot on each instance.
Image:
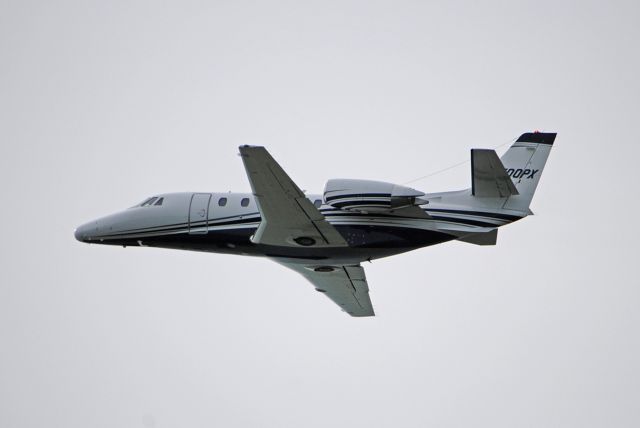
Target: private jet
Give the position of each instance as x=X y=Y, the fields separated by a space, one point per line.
x=327 y=237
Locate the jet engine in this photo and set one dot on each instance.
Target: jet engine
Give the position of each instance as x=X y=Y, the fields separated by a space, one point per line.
x=367 y=196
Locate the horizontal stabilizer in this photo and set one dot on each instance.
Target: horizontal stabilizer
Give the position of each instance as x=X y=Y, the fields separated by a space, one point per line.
x=488 y=176
x=484 y=238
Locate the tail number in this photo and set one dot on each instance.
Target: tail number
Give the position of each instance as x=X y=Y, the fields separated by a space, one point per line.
x=522 y=173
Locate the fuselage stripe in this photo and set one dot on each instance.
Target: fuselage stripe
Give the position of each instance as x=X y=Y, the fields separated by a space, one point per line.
x=480 y=219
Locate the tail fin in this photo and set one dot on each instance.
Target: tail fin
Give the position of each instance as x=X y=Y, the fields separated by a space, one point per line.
x=524 y=162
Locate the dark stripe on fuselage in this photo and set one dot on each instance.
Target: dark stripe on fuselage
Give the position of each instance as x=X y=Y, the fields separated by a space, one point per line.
x=239 y=221
x=369 y=203
x=178 y=226
x=465 y=221
x=333 y=213
x=509 y=217
x=358 y=195
x=155 y=229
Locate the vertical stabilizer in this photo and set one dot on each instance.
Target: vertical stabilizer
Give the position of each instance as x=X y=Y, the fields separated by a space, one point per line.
x=524 y=162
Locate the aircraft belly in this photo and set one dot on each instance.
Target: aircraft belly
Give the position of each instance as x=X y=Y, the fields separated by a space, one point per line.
x=365 y=242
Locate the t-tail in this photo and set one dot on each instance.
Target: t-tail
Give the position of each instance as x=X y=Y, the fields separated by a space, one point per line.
x=524 y=163
x=513 y=178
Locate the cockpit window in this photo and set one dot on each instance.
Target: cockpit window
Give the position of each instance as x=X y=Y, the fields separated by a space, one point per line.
x=148 y=202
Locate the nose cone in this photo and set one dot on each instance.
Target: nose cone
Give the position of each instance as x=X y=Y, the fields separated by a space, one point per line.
x=83 y=233
x=80 y=233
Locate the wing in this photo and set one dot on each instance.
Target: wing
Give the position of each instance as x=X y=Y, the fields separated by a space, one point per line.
x=345 y=285
x=488 y=175
x=288 y=217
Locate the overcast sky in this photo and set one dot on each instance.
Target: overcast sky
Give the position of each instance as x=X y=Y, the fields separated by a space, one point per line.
x=105 y=103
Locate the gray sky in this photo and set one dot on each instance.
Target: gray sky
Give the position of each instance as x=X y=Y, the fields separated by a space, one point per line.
x=105 y=103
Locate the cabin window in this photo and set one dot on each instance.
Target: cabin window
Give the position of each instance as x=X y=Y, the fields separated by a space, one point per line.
x=317 y=203
x=244 y=202
x=159 y=201
x=222 y=202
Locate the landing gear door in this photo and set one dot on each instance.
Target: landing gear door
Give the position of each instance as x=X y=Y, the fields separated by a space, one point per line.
x=199 y=213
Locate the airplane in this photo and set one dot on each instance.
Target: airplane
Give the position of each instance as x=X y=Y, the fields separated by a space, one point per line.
x=327 y=237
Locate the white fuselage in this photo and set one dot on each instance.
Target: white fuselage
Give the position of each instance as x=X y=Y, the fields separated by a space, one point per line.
x=225 y=222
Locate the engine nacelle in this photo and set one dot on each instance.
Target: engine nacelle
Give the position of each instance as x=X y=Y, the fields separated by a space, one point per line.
x=369 y=196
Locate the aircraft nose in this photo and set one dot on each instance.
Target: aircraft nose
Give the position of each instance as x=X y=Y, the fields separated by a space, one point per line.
x=80 y=234
x=83 y=233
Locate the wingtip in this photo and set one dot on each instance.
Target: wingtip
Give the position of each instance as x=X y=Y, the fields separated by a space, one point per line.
x=360 y=314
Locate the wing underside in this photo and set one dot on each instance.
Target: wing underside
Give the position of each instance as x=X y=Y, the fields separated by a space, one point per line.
x=345 y=285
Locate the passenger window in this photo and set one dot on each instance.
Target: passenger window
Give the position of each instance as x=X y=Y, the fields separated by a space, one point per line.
x=317 y=203
x=159 y=201
x=222 y=202
x=244 y=202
